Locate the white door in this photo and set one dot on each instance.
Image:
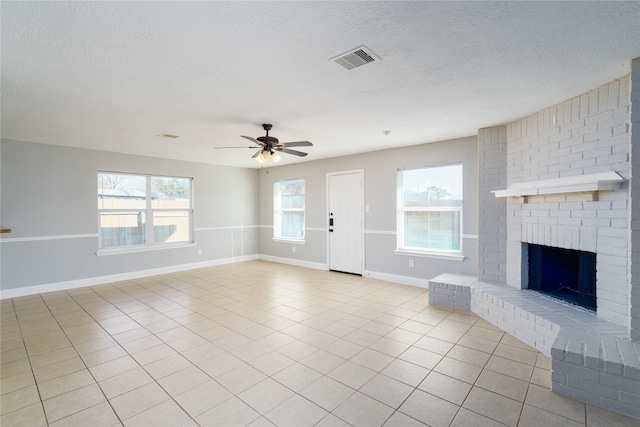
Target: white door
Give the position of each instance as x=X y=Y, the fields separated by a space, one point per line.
x=345 y=220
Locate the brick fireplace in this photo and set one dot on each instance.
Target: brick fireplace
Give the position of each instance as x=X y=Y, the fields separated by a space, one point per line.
x=595 y=355
x=567 y=219
x=586 y=135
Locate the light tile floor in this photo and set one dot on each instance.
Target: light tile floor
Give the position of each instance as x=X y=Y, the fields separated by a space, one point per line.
x=264 y=344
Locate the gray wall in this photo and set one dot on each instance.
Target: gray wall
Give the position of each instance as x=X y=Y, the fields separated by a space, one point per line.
x=51 y=191
x=380 y=170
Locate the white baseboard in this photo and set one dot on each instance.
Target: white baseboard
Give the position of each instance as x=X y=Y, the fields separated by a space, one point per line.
x=100 y=280
x=296 y=262
x=396 y=278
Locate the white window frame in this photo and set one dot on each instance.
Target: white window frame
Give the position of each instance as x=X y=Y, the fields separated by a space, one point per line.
x=148 y=212
x=401 y=248
x=278 y=210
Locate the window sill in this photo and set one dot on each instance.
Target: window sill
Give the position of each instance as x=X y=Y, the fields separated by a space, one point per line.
x=436 y=255
x=294 y=241
x=143 y=248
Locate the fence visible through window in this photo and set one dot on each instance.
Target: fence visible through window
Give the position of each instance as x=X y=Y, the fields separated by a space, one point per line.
x=139 y=210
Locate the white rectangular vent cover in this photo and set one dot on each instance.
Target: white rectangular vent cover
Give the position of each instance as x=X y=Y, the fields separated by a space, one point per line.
x=355 y=58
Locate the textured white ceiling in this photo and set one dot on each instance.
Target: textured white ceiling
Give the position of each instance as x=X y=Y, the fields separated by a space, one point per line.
x=114 y=75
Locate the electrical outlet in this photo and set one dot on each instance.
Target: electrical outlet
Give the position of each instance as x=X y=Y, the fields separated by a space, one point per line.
x=411 y=263
x=293 y=248
x=199 y=251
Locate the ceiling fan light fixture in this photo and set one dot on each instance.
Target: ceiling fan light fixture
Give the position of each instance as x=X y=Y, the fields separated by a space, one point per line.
x=266 y=155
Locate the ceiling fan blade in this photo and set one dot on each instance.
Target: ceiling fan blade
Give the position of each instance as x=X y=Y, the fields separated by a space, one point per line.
x=221 y=148
x=294 y=152
x=262 y=144
x=296 y=144
x=257 y=154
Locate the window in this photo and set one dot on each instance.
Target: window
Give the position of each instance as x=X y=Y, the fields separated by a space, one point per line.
x=143 y=210
x=430 y=209
x=288 y=212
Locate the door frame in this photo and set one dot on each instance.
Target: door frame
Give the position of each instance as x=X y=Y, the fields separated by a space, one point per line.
x=328 y=207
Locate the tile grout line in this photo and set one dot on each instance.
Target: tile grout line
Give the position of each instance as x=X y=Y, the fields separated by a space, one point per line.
x=375 y=312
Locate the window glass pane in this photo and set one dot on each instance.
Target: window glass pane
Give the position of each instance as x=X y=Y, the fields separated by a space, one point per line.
x=122 y=229
x=292 y=224
x=432 y=230
x=143 y=209
x=288 y=221
x=170 y=227
x=433 y=187
x=291 y=194
x=430 y=208
x=117 y=191
x=170 y=193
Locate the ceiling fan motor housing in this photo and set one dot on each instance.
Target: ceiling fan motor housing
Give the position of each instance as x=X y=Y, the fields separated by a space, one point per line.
x=269 y=140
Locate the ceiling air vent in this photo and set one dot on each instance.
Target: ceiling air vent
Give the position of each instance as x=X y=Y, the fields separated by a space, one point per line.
x=355 y=58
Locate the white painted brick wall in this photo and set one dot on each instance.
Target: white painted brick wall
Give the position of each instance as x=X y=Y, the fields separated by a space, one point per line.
x=634 y=200
x=586 y=134
x=492 y=229
x=598 y=131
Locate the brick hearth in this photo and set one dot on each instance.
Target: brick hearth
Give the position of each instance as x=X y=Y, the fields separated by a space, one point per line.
x=592 y=359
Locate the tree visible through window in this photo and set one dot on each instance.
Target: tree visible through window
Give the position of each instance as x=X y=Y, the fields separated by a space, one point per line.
x=430 y=209
x=137 y=210
x=288 y=213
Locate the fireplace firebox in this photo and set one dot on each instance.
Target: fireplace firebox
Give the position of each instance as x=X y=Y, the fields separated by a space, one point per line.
x=566 y=274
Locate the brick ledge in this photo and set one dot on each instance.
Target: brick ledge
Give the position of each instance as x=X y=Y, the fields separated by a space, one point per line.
x=592 y=359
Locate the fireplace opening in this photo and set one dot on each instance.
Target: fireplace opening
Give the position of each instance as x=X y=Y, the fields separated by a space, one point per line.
x=566 y=274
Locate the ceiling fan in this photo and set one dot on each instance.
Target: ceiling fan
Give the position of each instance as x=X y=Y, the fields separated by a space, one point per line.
x=269 y=147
